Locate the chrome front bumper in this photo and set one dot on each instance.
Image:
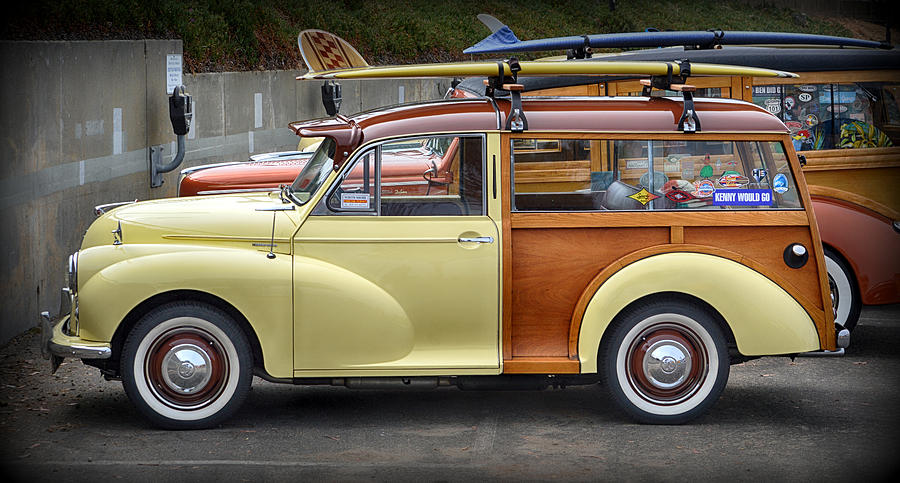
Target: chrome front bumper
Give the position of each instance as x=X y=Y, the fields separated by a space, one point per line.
x=56 y=345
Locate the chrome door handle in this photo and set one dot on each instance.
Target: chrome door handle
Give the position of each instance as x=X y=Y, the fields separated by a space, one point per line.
x=477 y=239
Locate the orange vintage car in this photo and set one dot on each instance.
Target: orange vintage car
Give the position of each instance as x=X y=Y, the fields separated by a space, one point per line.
x=416 y=168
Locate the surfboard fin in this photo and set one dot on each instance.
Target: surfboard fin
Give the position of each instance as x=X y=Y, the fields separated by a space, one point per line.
x=324 y=51
x=501 y=35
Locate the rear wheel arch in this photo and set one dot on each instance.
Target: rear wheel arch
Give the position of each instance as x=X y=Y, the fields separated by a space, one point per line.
x=672 y=296
x=730 y=290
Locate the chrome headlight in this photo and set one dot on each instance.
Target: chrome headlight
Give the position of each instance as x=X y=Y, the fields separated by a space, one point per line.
x=72 y=273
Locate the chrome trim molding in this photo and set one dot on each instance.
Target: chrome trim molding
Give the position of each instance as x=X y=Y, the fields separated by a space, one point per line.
x=837 y=353
x=244 y=190
x=80 y=351
x=101 y=209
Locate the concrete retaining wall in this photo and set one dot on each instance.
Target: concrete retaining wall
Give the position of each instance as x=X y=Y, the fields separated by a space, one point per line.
x=77 y=120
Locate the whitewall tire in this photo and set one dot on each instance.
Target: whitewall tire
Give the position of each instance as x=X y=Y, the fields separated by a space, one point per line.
x=666 y=362
x=186 y=366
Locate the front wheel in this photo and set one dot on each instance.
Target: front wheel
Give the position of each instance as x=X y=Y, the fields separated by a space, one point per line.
x=186 y=366
x=666 y=362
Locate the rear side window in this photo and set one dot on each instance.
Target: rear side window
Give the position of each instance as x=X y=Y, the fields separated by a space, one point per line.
x=643 y=174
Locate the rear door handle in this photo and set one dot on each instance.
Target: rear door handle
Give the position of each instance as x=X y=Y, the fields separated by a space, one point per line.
x=477 y=239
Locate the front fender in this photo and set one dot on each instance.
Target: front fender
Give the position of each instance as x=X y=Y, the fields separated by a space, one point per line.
x=763 y=317
x=118 y=278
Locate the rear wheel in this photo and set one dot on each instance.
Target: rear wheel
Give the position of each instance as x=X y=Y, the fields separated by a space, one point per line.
x=844 y=293
x=666 y=362
x=186 y=366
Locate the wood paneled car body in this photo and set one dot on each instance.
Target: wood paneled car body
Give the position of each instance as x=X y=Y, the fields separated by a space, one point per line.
x=601 y=243
x=843 y=113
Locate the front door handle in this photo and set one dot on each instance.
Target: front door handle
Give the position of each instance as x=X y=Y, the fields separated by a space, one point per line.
x=477 y=239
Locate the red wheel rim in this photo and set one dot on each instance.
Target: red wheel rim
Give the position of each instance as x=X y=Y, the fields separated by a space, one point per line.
x=666 y=363
x=186 y=368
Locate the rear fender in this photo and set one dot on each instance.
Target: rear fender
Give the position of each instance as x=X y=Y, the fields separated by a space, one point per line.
x=763 y=317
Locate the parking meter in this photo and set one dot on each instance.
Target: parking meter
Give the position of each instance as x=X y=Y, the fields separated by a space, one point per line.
x=180 y=111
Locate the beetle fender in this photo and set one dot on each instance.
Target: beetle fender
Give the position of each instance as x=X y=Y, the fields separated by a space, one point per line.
x=763 y=317
x=258 y=287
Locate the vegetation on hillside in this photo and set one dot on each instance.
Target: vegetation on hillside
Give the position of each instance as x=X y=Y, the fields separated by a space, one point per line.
x=261 y=34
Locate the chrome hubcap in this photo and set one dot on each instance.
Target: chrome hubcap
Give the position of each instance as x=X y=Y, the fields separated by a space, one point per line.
x=186 y=369
x=667 y=364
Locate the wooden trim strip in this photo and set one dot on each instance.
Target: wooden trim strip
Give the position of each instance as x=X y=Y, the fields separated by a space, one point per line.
x=825 y=328
x=851 y=153
x=541 y=365
x=676 y=234
x=832 y=77
x=505 y=197
x=578 y=314
x=670 y=135
x=856 y=199
x=619 y=219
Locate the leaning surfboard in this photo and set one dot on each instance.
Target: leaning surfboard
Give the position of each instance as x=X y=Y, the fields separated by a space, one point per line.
x=539 y=68
x=503 y=40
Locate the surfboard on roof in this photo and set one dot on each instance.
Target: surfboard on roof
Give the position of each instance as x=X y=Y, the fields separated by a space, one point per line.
x=330 y=57
x=503 y=40
x=539 y=68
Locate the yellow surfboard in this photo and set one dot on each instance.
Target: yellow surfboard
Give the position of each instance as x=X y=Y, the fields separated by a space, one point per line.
x=540 y=68
x=324 y=51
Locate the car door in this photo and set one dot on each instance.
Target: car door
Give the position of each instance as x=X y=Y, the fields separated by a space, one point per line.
x=397 y=269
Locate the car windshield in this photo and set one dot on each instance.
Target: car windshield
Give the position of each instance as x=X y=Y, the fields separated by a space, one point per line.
x=315 y=173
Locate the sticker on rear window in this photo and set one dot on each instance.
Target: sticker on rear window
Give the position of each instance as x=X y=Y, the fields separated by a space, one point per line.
x=355 y=201
x=780 y=183
x=739 y=197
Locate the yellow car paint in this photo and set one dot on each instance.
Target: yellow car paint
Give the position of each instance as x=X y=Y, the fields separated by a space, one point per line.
x=434 y=306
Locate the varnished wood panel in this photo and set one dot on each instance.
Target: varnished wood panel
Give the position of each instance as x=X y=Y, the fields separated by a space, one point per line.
x=676 y=234
x=611 y=219
x=541 y=365
x=550 y=269
x=766 y=247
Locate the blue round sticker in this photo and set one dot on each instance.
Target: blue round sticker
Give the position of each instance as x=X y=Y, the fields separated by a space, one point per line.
x=780 y=183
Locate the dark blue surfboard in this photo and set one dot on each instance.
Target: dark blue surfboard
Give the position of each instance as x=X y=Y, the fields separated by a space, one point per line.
x=503 y=40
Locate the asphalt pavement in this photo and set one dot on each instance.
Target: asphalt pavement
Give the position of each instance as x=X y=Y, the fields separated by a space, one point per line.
x=778 y=419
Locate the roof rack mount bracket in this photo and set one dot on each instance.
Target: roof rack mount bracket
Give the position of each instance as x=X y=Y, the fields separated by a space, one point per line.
x=516 y=122
x=689 y=121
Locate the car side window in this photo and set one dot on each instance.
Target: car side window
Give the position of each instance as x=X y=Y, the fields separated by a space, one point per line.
x=424 y=176
x=646 y=174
